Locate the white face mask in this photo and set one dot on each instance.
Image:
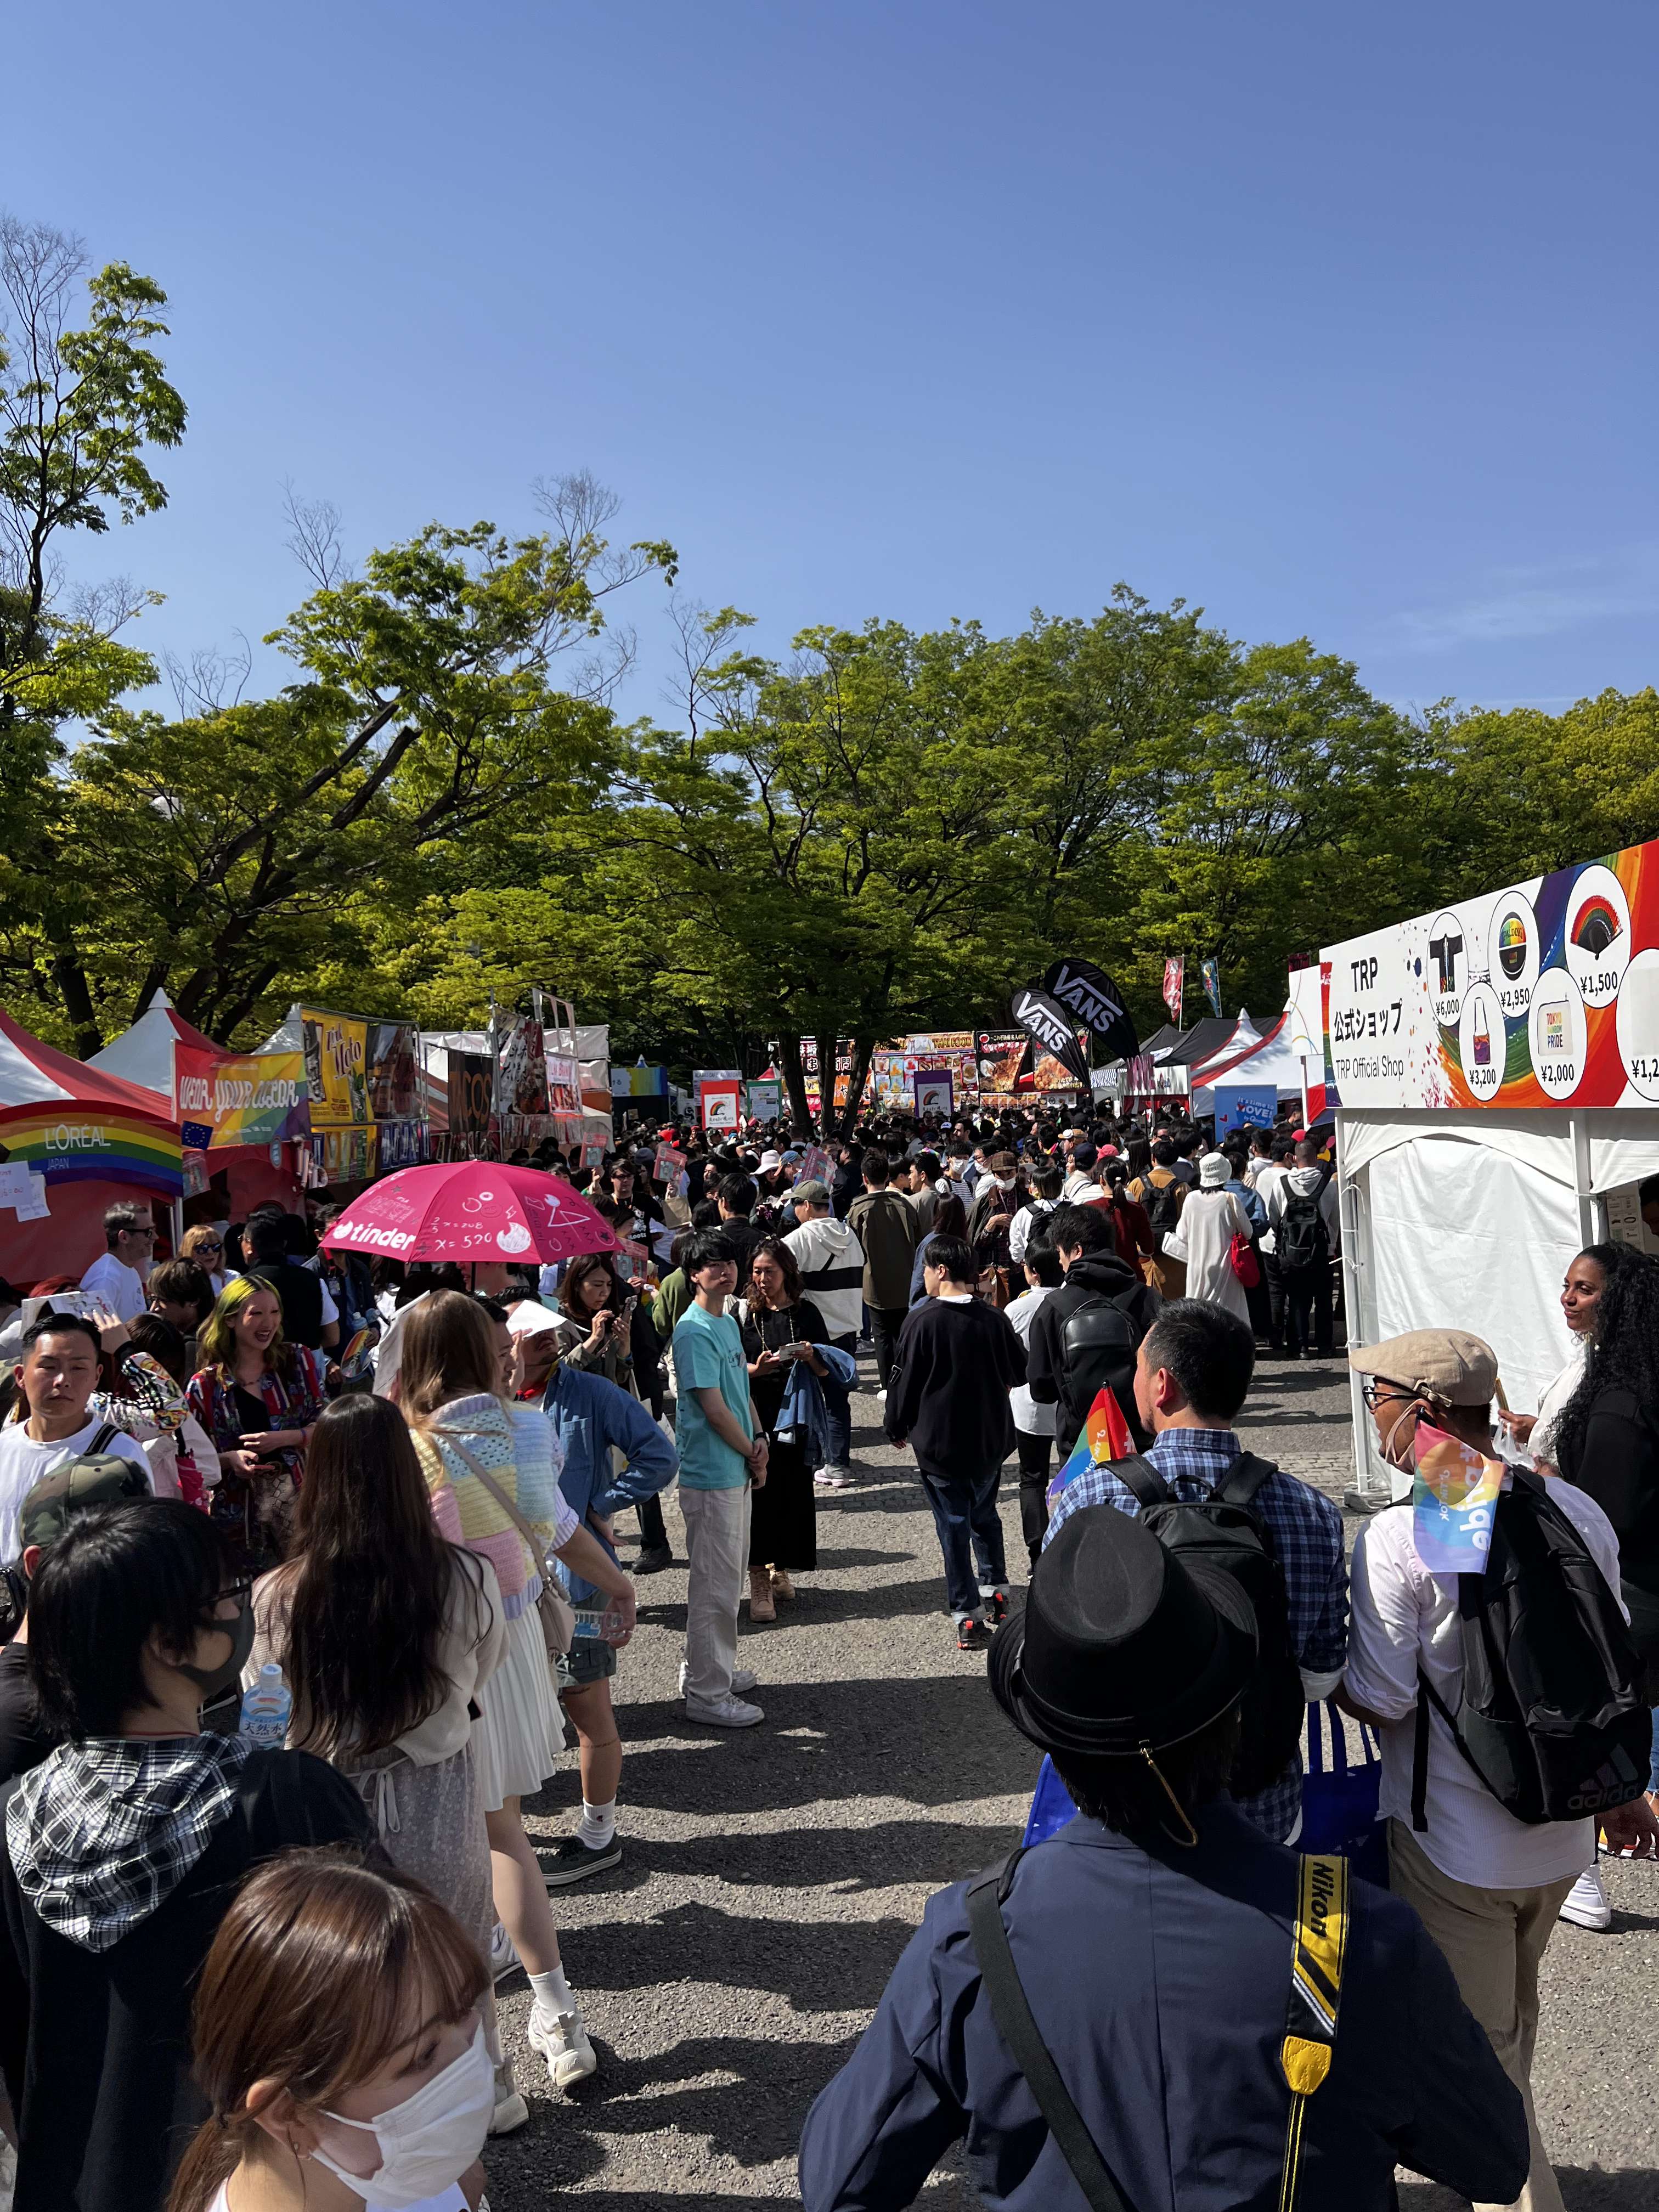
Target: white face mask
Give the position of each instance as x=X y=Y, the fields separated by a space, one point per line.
x=426 y=2143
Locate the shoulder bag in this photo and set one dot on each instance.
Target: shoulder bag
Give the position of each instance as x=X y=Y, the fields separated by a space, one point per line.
x=558 y=1620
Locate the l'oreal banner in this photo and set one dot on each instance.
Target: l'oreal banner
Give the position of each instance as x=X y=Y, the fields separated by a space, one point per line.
x=257 y=1098
x=1544 y=994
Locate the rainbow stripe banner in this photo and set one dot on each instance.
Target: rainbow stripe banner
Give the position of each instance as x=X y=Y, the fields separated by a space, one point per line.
x=259 y=1099
x=74 y=1143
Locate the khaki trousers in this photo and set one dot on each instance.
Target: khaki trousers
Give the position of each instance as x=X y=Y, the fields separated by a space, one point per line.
x=717 y=1549
x=1492 y=1940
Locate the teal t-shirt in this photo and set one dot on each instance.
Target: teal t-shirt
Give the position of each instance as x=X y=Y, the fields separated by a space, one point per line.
x=708 y=1356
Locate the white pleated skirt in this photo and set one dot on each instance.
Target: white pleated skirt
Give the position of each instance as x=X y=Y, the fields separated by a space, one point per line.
x=517 y=1739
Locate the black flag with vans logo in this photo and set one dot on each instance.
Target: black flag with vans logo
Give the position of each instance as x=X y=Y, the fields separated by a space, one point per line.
x=1091 y=994
x=1047 y=1023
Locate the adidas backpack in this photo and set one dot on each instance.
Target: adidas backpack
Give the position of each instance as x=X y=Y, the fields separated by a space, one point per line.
x=1222 y=1530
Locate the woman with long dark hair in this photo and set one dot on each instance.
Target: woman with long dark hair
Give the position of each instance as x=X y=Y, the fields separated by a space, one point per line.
x=387 y=1636
x=779 y=1327
x=334 y=1995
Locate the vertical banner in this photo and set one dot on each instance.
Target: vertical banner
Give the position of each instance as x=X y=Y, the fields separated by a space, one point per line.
x=932 y=1089
x=337 y=1068
x=1174 y=974
x=1210 y=971
x=720 y=1096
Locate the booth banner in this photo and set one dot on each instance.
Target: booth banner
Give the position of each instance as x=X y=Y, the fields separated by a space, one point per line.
x=257 y=1098
x=999 y=1055
x=337 y=1067
x=1245 y=1106
x=1544 y=994
x=467 y=1088
x=520 y=1067
x=71 y=1143
x=345 y=1155
x=393 y=1072
x=763 y=1100
x=564 y=1084
x=932 y=1089
x=402 y=1145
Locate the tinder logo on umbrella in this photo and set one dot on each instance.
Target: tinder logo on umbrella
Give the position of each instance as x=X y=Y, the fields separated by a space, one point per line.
x=472 y=1210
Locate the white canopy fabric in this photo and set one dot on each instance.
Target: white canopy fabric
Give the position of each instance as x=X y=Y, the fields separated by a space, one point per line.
x=143 y=1053
x=1270 y=1060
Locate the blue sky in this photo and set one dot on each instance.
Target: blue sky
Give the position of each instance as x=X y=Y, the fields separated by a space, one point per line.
x=1337 y=322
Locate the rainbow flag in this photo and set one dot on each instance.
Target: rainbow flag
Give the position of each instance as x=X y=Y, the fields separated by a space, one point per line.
x=72 y=1143
x=1104 y=1436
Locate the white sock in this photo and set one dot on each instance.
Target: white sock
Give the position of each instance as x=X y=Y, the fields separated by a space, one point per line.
x=597 y=1825
x=552 y=1993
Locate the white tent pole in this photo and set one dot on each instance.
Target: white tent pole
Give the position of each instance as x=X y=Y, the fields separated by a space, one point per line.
x=1590 y=1210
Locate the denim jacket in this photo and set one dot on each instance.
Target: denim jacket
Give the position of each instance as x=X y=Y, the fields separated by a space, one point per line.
x=588 y=1416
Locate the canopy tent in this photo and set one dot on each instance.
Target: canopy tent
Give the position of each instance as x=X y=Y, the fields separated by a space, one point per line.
x=143 y=1053
x=92 y=1137
x=1205 y=1039
x=1273 y=1062
x=1498 y=1068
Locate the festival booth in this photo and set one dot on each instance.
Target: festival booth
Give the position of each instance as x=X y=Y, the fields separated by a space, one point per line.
x=73 y=1141
x=1497 y=1064
x=1269 y=1062
x=243 y=1117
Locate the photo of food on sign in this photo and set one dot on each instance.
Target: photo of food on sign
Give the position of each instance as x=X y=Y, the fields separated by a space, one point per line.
x=1543 y=993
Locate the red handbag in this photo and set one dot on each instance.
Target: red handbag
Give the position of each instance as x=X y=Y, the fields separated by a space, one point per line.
x=1246 y=1265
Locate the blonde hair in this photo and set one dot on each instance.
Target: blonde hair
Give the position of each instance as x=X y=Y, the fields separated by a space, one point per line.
x=449 y=1351
x=216 y=1344
x=193 y=1239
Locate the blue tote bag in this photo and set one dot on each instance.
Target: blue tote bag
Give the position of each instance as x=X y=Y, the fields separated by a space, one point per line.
x=1339 y=1801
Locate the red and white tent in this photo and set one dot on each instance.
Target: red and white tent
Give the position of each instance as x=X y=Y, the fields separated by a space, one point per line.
x=143 y=1053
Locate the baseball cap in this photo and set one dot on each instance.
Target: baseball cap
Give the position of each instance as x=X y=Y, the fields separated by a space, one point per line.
x=1084 y=1156
x=1447 y=1363
x=79 y=1486
x=810 y=1193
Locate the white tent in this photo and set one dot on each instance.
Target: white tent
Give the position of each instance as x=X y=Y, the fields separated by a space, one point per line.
x=143 y=1053
x=1271 y=1060
x=1499 y=1070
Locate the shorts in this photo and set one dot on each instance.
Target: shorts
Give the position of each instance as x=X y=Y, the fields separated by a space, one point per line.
x=589 y=1659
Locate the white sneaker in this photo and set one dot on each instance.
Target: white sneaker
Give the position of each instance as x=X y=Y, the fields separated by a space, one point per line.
x=1586 y=1904
x=742 y=1679
x=730 y=1711
x=881 y=1397
x=510 y=2110
x=562 y=2041
x=503 y=1958
x=832 y=1478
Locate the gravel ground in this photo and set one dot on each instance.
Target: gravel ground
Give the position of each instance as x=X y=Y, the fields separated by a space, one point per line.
x=773 y=1876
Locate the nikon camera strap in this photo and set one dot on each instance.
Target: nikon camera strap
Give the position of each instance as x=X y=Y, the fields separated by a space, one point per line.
x=1320 y=1944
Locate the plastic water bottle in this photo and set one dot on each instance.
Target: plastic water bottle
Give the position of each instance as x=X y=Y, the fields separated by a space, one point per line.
x=266 y=1705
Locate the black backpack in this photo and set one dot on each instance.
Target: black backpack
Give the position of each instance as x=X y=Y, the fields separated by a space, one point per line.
x=1221 y=1530
x=1098 y=1341
x=1552 y=1719
x=1163 y=1207
x=1303 y=1240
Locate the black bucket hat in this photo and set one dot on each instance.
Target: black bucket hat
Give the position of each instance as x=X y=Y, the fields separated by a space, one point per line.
x=1122 y=1645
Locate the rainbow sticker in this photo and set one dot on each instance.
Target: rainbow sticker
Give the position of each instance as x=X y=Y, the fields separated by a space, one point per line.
x=1512 y=945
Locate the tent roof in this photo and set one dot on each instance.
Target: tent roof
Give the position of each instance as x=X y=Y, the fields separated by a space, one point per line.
x=143 y=1053
x=36 y=1074
x=1274 y=1059
x=1202 y=1042
x=1161 y=1040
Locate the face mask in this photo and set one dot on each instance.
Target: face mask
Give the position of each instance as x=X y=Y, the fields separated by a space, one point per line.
x=211 y=1680
x=426 y=2143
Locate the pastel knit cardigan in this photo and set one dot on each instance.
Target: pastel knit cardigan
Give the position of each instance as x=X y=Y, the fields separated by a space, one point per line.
x=521 y=1451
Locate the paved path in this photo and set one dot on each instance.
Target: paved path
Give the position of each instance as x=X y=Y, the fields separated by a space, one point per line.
x=772 y=1877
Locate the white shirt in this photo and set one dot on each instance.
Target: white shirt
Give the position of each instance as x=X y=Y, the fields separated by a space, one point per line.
x=1403 y=1617
x=449 y=2200
x=1078 y=1184
x=24 y=1462
x=119 y=1288
x=1554 y=1403
x=1265 y=1180
x=1025 y=1224
x=1033 y=1419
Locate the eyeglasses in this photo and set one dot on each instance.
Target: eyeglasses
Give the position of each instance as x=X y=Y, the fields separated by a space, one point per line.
x=1377 y=1390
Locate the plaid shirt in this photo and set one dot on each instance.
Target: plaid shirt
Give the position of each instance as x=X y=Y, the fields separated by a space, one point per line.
x=102 y=1832
x=1307 y=1533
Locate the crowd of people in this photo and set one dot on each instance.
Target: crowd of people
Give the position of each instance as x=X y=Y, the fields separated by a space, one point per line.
x=301 y=1552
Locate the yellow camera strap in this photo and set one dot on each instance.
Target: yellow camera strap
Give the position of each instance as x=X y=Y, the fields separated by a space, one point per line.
x=1322 y=1941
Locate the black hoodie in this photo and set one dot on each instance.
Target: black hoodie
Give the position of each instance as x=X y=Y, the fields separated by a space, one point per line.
x=1094 y=1274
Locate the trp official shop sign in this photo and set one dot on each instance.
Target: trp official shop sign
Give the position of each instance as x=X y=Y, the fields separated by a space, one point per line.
x=1546 y=993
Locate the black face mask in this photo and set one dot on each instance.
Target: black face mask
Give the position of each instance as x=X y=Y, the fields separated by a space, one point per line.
x=211 y=1681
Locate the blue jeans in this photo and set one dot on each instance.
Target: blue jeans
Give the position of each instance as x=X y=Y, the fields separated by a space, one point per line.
x=970 y=1534
x=838 y=1410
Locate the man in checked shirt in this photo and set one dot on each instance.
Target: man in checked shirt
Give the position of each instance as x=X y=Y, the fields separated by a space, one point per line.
x=1192 y=1373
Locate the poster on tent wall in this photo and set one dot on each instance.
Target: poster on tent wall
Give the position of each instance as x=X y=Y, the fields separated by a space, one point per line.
x=521 y=1068
x=256 y=1098
x=1544 y=994
x=337 y=1067
x=932 y=1089
x=764 y=1099
x=1244 y=1106
x=393 y=1072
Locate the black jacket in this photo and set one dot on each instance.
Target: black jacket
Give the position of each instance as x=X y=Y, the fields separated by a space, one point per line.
x=1097 y=1274
x=949 y=1394
x=1618 y=1465
x=95 y=2045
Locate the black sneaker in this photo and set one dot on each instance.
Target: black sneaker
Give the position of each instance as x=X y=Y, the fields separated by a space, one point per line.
x=653 y=1559
x=574 y=1861
x=972 y=1635
x=996 y=1608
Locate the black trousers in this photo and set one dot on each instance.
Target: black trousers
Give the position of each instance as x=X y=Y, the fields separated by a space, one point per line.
x=1033 y=1490
x=885 y=1322
x=1274 y=1279
x=1308 y=1310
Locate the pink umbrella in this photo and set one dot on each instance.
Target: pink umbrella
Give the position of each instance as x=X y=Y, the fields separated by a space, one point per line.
x=470 y=1211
